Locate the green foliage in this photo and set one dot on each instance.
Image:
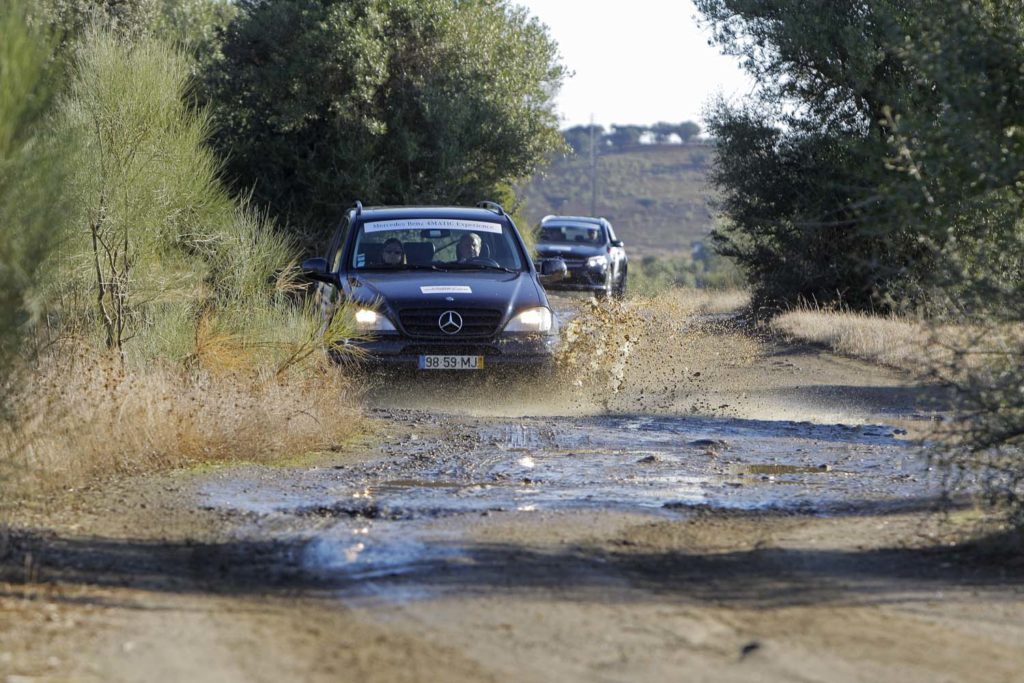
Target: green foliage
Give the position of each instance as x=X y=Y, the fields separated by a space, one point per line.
x=32 y=176
x=154 y=242
x=581 y=138
x=801 y=167
x=651 y=275
x=656 y=196
x=321 y=102
x=960 y=161
x=194 y=25
x=882 y=163
x=961 y=166
x=191 y=25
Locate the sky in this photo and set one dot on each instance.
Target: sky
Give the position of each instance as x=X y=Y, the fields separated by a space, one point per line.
x=637 y=62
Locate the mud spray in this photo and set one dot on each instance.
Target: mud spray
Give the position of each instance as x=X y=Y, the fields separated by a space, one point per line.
x=650 y=355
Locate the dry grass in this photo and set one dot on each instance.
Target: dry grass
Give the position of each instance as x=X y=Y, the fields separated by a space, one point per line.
x=896 y=342
x=75 y=422
x=947 y=351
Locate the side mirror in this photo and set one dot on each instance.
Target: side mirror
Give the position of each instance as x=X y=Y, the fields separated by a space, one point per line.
x=316 y=269
x=552 y=271
x=617 y=243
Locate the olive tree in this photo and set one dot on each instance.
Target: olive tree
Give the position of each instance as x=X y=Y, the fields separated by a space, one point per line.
x=321 y=102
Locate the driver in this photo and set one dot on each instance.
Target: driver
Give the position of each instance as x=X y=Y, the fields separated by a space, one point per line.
x=393 y=253
x=468 y=247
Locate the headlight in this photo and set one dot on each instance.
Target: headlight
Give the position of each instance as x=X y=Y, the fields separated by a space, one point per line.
x=531 y=320
x=371 y=321
x=599 y=261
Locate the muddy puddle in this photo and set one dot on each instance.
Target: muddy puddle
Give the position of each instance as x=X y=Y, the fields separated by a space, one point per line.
x=660 y=410
x=405 y=517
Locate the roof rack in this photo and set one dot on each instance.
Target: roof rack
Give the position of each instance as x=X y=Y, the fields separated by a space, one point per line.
x=359 y=207
x=493 y=206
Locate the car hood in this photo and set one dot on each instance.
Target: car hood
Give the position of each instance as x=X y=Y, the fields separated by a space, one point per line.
x=563 y=250
x=507 y=292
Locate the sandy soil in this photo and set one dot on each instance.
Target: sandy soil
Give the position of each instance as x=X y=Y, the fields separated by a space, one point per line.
x=428 y=554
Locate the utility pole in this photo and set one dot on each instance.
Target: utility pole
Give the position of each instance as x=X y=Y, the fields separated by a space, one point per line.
x=593 y=170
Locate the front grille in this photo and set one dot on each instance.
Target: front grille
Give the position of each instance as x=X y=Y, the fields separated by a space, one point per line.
x=477 y=323
x=440 y=348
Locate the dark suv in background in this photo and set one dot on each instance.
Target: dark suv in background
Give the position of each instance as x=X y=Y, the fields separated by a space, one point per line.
x=594 y=257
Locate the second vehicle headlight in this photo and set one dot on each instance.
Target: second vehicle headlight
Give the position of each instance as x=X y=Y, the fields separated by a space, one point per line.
x=368 y=320
x=531 y=320
x=599 y=261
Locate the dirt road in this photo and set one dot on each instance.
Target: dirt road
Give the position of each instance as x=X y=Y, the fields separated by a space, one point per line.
x=709 y=506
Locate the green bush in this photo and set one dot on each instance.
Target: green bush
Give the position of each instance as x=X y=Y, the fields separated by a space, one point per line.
x=651 y=275
x=32 y=171
x=155 y=245
x=322 y=102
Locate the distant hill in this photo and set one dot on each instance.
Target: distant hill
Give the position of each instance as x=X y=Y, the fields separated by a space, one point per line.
x=656 y=196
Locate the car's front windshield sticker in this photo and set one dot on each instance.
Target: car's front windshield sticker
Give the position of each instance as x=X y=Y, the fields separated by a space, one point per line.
x=446 y=289
x=432 y=224
x=360 y=260
x=573 y=224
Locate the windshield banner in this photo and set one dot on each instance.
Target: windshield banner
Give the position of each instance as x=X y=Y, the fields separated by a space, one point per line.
x=432 y=224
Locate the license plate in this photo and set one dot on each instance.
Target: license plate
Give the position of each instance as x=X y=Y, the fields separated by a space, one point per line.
x=436 y=362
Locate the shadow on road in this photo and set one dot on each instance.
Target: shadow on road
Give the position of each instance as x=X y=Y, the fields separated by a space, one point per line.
x=756 y=578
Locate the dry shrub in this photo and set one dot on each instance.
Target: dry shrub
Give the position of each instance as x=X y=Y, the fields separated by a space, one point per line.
x=943 y=351
x=75 y=422
x=983 y=448
x=889 y=340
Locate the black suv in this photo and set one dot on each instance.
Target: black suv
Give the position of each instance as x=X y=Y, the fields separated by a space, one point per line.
x=441 y=288
x=595 y=257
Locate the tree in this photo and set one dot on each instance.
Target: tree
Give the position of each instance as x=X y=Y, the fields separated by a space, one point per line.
x=32 y=171
x=663 y=131
x=579 y=138
x=803 y=174
x=881 y=160
x=625 y=136
x=687 y=130
x=322 y=102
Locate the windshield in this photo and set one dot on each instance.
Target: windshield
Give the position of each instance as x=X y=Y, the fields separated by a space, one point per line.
x=588 y=233
x=435 y=243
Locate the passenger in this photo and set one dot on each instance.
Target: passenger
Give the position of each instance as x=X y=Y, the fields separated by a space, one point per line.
x=393 y=253
x=591 y=234
x=469 y=247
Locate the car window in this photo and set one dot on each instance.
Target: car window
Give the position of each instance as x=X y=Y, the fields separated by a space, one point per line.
x=412 y=242
x=587 y=233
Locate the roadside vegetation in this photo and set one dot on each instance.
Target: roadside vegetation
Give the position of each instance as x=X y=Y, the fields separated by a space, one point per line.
x=152 y=320
x=877 y=167
x=885 y=339
x=318 y=104
x=152 y=310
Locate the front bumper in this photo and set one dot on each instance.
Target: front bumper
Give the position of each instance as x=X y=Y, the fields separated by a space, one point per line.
x=582 y=278
x=525 y=350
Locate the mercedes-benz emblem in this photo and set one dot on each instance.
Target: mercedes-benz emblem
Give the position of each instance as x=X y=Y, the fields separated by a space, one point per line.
x=450 y=322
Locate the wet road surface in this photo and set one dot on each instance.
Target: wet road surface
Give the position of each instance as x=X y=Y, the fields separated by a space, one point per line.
x=404 y=515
